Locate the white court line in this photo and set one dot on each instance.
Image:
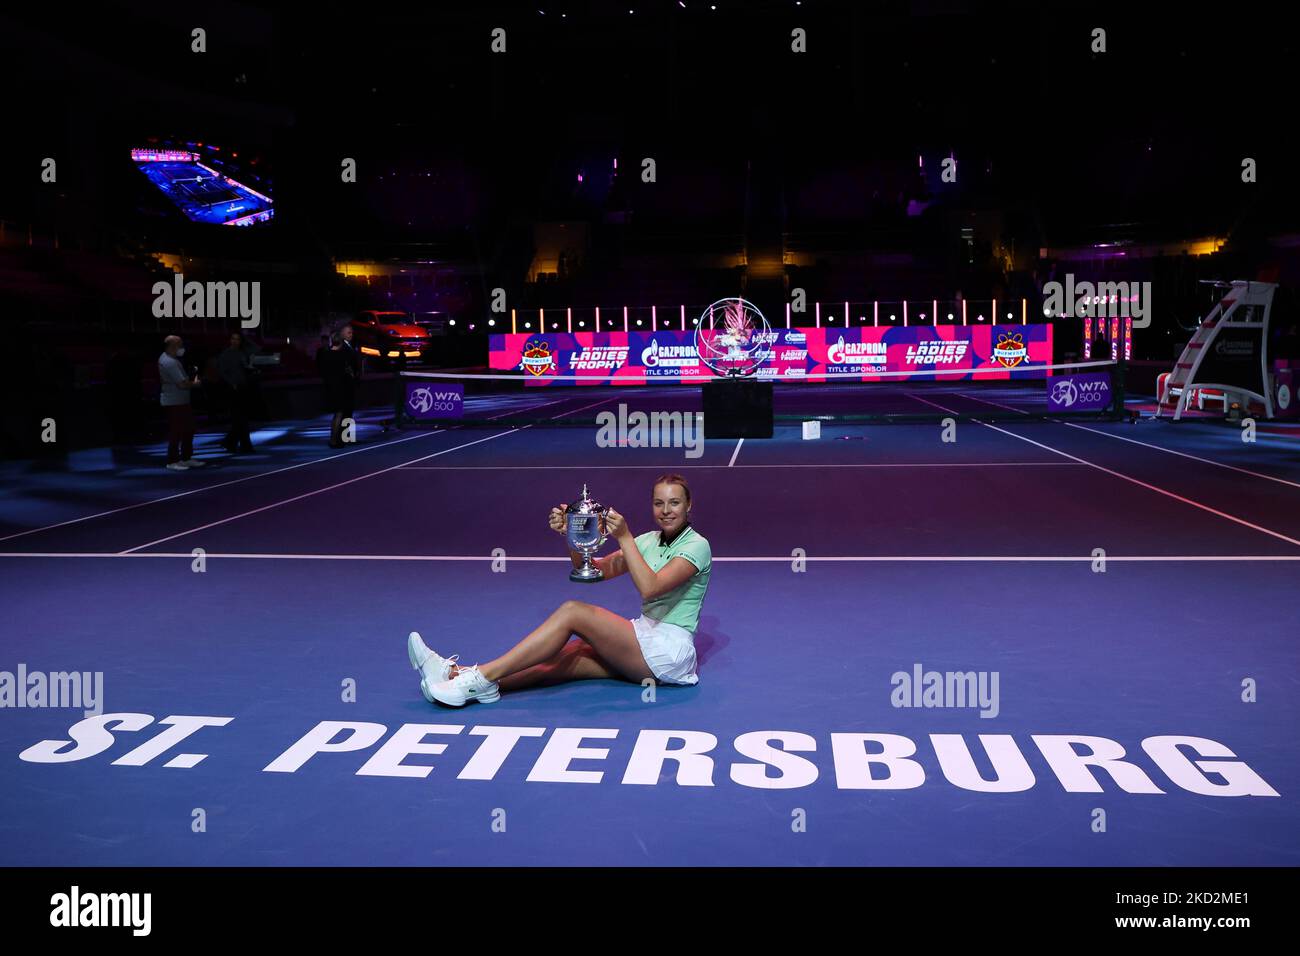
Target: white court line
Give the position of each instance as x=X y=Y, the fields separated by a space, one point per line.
x=1143 y=484
x=223 y=484
x=735 y=453
x=235 y=481
x=891 y=464
x=373 y=474
x=1134 y=441
x=773 y=559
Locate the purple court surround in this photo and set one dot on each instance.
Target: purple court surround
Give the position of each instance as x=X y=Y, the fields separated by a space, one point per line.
x=985 y=563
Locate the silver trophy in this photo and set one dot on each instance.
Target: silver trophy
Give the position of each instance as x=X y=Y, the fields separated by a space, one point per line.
x=585 y=532
x=733 y=338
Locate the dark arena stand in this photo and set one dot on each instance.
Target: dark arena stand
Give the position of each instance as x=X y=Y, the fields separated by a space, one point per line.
x=917 y=381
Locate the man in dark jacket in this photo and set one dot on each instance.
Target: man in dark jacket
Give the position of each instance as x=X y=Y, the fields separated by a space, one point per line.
x=236 y=372
x=340 y=367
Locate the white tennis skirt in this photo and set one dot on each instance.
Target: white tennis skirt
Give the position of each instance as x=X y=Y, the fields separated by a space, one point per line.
x=669 y=650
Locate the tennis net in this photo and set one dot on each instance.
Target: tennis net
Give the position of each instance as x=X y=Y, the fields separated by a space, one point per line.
x=1088 y=390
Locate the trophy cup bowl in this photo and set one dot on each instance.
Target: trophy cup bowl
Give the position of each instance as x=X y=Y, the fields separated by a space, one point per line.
x=585 y=532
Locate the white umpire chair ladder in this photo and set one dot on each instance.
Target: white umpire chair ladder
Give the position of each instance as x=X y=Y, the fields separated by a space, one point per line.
x=1233 y=312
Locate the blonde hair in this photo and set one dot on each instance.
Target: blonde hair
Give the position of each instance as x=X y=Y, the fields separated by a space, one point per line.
x=672 y=478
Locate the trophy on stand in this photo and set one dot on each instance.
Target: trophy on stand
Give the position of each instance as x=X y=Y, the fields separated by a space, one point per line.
x=733 y=338
x=585 y=532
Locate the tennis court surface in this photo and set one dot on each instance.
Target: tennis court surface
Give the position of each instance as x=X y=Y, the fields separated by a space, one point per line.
x=1114 y=596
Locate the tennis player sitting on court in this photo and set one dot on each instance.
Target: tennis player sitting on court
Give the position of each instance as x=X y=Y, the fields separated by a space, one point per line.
x=670 y=568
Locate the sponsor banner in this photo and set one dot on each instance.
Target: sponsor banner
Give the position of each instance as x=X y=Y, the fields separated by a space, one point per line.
x=1079 y=393
x=953 y=350
x=627 y=358
x=432 y=399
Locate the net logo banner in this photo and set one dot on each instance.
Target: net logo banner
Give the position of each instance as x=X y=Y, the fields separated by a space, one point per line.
x=429 y=400
x=635 y=358
x=1079 y=393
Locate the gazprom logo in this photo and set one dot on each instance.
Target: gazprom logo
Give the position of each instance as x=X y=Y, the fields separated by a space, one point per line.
x=855 y=353
x=669 y=355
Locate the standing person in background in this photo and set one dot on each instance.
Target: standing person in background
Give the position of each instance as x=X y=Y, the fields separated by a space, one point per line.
x=327 y=361
x=175 y=398
x=341 y=370
x=236 y=372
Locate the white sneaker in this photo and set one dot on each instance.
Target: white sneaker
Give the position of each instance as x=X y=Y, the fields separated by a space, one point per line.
x=433 y=666
x=178 y=466
x=468 y=685
x=194 y=463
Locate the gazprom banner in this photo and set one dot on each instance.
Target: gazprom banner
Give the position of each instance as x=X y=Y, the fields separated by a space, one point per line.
x=633 y=358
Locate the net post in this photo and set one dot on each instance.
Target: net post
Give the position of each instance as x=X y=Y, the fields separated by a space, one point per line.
x=1117 y=386
x=399 y=388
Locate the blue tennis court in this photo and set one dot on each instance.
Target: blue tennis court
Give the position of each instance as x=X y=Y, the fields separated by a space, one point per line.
x=203 y=194
x=1113 y=599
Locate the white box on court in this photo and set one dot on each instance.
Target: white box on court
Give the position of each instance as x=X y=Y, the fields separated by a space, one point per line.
x=812 y=430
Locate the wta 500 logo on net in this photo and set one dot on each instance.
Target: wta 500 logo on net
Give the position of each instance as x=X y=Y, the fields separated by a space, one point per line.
x=425 y=400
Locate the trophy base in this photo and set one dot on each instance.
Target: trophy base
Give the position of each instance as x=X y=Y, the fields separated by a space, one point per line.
x=586 y=575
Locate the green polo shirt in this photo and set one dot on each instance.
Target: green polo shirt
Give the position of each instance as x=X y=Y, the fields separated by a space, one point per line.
x=681 y=605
